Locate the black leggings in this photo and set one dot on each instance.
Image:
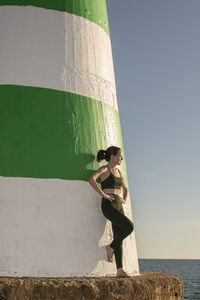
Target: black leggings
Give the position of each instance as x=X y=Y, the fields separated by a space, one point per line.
x=121 y=225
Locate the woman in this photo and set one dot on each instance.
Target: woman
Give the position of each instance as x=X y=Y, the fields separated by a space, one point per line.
x=111 y=182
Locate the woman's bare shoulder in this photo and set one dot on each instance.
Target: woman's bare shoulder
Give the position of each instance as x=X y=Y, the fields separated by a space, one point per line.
x=120 y=172
x=102 y=169
x=98 y=173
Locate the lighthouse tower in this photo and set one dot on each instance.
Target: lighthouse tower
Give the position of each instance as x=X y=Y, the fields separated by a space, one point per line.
x=58 y=107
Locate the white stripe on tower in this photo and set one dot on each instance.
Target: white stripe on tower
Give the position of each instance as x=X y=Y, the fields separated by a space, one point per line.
x=58 y=233
x=56 y=50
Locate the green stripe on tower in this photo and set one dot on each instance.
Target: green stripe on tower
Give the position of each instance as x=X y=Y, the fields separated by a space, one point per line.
x=53 y=134
x=93 y=10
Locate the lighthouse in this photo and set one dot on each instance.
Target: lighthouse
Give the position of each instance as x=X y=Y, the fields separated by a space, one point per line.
x=58 y=107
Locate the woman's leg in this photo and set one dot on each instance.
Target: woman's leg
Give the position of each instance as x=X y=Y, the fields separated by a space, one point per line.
x=118 y=250
x=125 y=226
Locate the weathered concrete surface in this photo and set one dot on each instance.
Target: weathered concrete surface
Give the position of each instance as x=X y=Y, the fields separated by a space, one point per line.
x=147 y=286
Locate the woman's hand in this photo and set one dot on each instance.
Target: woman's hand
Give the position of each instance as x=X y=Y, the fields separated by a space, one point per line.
x=122 y=200
x=109 y=197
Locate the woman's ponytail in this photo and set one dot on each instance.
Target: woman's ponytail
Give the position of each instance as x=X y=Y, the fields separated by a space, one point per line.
x=101 y=155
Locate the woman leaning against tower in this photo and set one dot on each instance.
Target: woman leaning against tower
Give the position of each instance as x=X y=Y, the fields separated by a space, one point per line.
x=112 y=181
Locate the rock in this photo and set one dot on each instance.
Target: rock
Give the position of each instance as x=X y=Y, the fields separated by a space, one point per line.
x=147 y=286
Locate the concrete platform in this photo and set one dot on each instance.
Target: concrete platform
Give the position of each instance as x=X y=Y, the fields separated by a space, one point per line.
x=147 y=286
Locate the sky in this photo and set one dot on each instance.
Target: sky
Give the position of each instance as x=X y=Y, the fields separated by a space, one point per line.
x=156 y=53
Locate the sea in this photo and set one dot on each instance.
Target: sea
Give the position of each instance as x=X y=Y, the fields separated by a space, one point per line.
x=187 y=269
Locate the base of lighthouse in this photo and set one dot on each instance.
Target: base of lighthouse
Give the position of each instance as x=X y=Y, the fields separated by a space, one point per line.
x=148 y=286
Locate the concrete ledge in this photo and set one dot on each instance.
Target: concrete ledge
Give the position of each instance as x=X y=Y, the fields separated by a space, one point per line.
x=147 y=286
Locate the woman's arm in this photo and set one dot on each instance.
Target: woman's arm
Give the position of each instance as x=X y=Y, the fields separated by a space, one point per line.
x=124 y=187
x=94 y=184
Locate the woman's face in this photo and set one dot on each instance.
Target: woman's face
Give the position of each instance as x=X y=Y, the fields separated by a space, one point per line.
x=117 y=159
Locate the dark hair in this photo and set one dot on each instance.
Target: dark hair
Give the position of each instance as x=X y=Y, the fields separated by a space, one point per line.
x=106 y=154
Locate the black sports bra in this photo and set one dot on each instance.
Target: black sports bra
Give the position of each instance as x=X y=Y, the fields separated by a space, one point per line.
x=111 y=182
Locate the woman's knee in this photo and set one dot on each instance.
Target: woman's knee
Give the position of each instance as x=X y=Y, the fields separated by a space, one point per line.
x=130 y=227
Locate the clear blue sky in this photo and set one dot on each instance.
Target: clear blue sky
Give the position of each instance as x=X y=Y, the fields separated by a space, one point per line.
x=156 y=52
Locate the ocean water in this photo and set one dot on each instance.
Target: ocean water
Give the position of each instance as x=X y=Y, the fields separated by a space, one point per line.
x=187 y=269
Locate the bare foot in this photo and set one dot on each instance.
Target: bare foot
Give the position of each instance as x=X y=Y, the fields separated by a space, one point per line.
x=110 y=252
x=122 y=273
